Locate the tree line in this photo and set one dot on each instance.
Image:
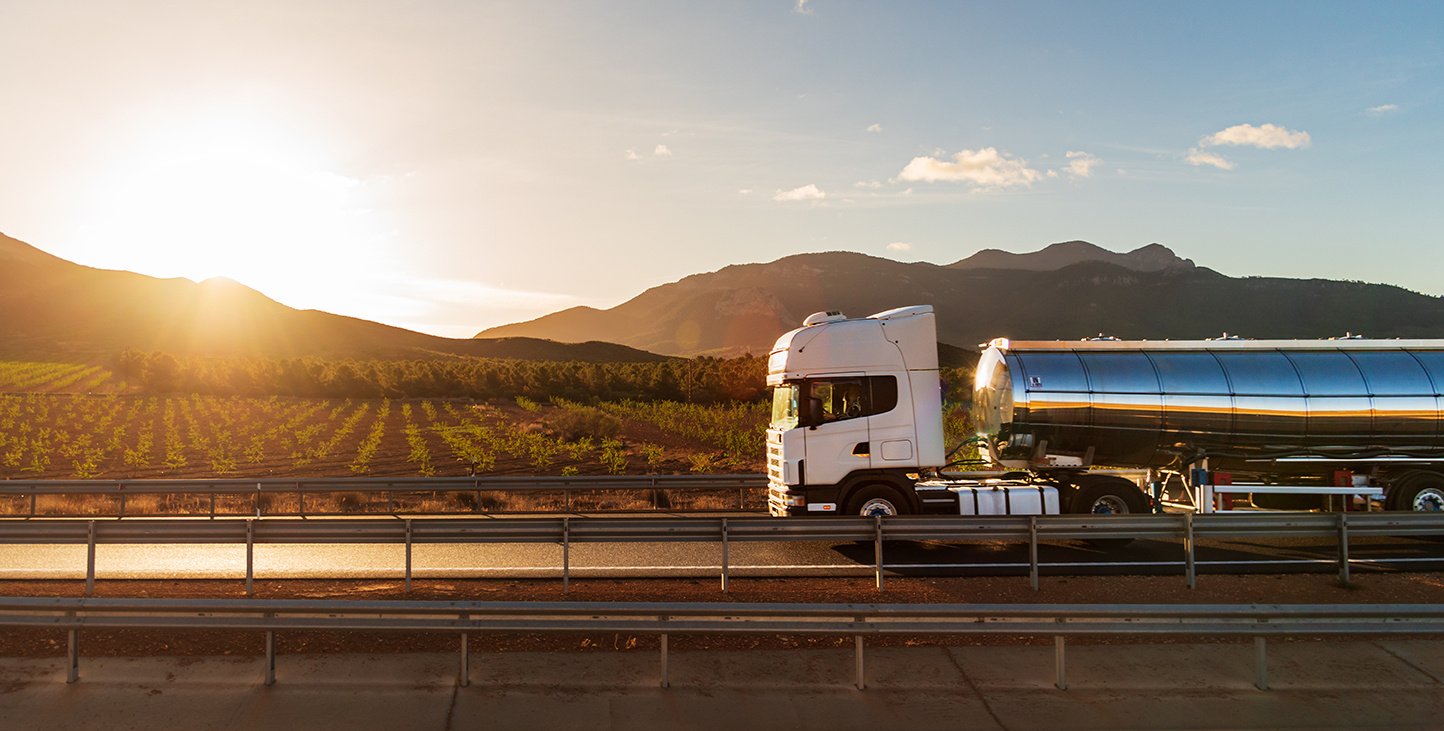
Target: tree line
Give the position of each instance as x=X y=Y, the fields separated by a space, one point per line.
x=700 y=380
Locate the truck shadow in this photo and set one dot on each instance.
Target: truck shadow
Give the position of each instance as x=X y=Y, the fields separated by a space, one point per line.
x=1140 y=557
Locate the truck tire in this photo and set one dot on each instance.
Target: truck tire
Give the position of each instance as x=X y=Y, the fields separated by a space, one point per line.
x=873 y=500
x=1420 y=492
x=1101 y=495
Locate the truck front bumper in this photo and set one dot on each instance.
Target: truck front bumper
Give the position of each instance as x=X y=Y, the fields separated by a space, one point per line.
x=785 y=501
x=782 y=503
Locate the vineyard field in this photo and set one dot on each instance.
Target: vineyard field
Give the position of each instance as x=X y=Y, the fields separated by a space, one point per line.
x=79 y=436
x=42 y=377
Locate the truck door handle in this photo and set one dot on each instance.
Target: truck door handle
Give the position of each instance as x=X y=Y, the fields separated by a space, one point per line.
x=861 y=450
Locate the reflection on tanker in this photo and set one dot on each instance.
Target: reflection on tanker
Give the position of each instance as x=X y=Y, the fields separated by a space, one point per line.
x=1155 y=403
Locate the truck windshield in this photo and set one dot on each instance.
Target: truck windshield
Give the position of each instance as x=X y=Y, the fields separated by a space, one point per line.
x=784 y=406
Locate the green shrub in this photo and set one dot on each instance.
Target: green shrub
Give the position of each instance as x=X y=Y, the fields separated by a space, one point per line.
x=579 y=423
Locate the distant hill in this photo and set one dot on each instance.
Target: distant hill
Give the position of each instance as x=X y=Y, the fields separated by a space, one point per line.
x=1065 y=291
x=1150 y=258
x=53 y=308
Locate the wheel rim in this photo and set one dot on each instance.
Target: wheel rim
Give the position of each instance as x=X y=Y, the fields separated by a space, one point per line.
x=1109 y=505
x=1429 y=500
x=877 y=506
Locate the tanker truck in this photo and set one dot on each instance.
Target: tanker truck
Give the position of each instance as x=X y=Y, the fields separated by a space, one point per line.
x=1100 y=425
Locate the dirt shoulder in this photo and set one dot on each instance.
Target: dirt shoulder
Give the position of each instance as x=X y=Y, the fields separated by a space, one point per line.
x=1410 y=588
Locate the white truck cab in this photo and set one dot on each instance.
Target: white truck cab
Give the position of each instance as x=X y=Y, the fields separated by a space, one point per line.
x=856 y=412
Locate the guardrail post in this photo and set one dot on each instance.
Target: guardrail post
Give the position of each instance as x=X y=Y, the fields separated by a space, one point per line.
x=270 y=657
x=32 y=503
x=465 y=678
x=1190 y=569
x=567 y=558
x=1343 y=548
x=724 y=555
x=90 y=558
x=300 y=501
x=258 y=499
x=122 y=503
x=72 y=659
x=408 y=555
x=857 y=662
x=250 y=558
x=877 y=548
x=1260 y=663
x=213 y=506
x=666 y=681
x=1033 y=551
x=1060 y=662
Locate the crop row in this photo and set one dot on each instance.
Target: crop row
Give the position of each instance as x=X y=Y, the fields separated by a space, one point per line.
x=55 y=435
x=20 y=376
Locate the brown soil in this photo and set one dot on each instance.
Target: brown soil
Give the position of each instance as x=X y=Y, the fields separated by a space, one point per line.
x=322 y=419
x=1416 y=588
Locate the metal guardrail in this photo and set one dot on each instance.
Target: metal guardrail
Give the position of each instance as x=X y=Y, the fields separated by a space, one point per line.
x=262 y=492
x=566 y=530
x=663 y=619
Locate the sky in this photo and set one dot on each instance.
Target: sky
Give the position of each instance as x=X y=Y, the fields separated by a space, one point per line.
x=450 y=166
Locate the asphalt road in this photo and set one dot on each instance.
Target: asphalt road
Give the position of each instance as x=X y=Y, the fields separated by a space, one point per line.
x=1388 y=684
x=820 y=558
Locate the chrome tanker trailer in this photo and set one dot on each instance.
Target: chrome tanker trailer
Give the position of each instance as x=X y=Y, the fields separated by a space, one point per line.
x=1102 y=425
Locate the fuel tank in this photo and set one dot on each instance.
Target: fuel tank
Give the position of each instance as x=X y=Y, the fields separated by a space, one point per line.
x=1147 y=403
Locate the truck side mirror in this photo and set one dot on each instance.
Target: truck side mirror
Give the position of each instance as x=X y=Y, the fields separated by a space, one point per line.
x=814 y=412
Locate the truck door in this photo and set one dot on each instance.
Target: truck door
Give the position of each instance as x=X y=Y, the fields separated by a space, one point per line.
x=891 y=424
x=837 y=433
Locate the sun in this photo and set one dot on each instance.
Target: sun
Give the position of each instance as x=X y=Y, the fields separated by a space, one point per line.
x=236 y=196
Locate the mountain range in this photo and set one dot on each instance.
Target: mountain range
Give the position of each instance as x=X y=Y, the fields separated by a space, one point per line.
x=1067 y=290
x=53 y=308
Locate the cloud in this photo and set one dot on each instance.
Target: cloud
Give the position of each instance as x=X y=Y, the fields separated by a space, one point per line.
x=632 y=154
x=985 y=168
x=809 y=192
x=899 y=246
x=744 y=191
x=1081 y=163
x=868 y=184
x=801 y=7
x=1197 y=157
x=874 y=128
x=662 y=151
x=1264 y=136
x=1381 y=110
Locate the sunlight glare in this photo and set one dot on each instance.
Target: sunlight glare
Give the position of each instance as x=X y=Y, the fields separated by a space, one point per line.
x=238 y=197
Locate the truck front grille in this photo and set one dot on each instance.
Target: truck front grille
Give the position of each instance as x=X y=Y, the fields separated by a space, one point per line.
x=776 y=473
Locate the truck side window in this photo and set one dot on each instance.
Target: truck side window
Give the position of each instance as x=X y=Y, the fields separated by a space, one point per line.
x=852 y=398
x=884 y=394
x=842 y=398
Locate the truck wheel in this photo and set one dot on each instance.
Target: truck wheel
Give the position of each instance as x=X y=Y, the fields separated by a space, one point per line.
x=1422 y=492
x=876 y=500
x=1108 y=496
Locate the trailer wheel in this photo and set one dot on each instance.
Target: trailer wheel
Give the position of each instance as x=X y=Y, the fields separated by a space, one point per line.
x=875 y=500
x=1422 y=492
x=1100 y=495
